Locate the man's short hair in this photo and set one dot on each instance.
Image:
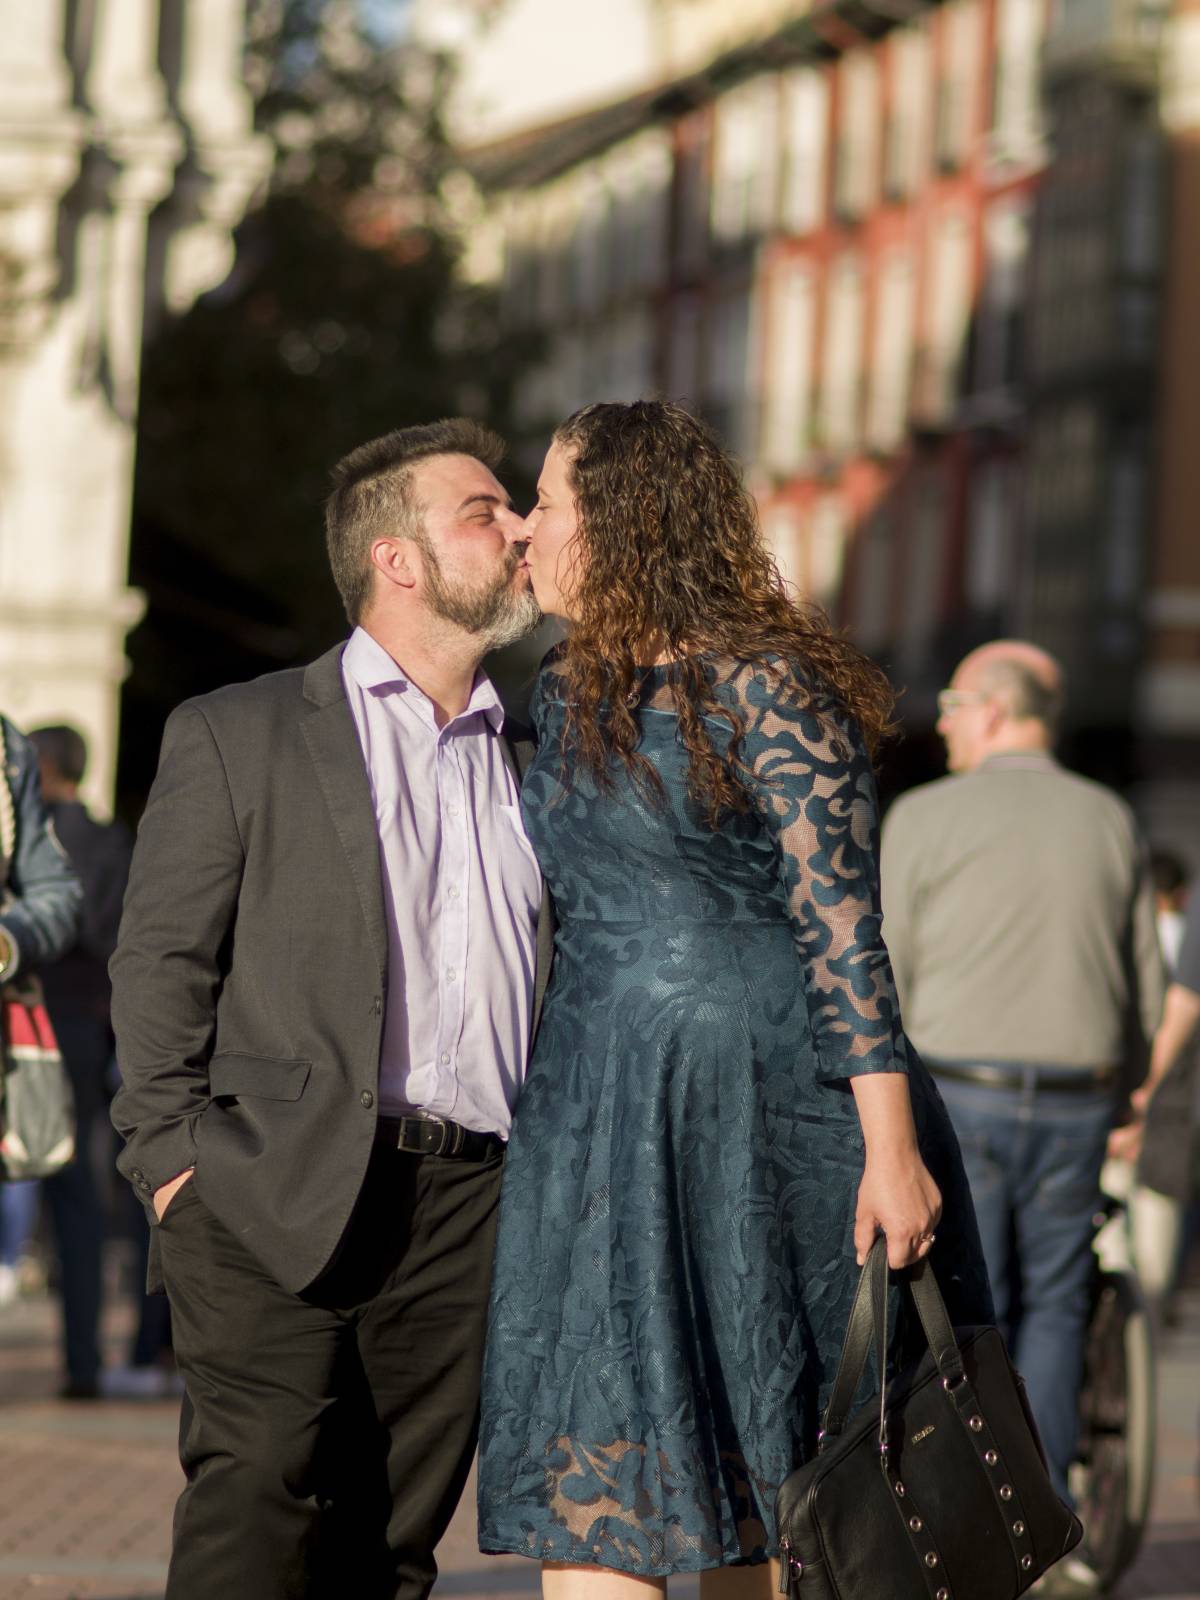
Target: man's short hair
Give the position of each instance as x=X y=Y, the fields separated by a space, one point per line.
x=62 y=747
x=1168 y=871
x=372 y=495
x=1026 y=694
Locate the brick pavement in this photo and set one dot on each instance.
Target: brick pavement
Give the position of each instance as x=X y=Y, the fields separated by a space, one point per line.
x=86 y=1490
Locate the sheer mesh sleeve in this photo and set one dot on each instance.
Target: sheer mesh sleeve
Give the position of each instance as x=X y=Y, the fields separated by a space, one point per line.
x=813 y=782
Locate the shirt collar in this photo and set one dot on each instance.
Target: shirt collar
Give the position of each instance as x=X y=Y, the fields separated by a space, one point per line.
x=1018 y=760
x=374 y=670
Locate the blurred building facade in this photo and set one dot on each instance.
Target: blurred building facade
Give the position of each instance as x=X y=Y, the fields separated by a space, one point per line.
x=930 y=269
x=126 y=159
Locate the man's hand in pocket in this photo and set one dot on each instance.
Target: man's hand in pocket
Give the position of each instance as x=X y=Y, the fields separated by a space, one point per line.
x=164 y=1196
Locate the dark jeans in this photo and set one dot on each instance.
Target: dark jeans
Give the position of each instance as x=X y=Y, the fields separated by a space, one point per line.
x=1033 y=1158
x=74 y=1198
x=326 y=1437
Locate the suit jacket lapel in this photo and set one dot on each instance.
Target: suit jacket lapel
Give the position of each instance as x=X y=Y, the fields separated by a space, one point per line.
x=337 y=756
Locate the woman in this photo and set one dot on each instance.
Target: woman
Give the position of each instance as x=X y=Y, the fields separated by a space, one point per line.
x=722 y=1109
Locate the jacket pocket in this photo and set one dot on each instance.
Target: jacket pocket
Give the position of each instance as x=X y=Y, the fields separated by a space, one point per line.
x=266 y=1076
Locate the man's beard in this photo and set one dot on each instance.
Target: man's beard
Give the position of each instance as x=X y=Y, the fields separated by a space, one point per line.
x=496 y=612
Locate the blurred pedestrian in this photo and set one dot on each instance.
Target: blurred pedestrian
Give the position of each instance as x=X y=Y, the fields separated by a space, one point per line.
x=323 y=996
x=1159 y=1134
x=77 y=998
x=1019 y=911
x=39 y=911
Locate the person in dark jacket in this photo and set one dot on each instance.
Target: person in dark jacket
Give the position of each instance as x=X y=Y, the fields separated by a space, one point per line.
x=39 y=908
x=39 y=911
x=77 y=998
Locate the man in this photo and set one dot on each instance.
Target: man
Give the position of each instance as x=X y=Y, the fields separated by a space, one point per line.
x=1019 y=913
x=77 y=998
x=328 y=974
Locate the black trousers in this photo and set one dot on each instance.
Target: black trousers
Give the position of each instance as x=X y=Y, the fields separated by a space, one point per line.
x=326 y=1436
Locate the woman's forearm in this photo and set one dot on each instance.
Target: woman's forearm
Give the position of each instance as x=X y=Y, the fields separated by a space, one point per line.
x=885 y=1112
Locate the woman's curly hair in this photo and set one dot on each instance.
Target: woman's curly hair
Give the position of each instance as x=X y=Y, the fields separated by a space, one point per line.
x=675 y=563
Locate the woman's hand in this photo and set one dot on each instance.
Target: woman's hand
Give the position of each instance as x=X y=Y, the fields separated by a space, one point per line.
x=898 y=1196
x=897 y=1193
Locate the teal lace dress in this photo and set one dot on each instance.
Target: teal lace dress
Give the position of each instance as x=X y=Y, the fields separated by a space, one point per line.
x=675 y=1258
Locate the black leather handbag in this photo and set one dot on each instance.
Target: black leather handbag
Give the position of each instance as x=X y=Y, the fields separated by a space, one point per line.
x=938 y=1490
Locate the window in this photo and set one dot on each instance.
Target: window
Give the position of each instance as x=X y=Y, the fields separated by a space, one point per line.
x=631 y=370
x=1017 y=126
x=827 y=551
x=873 y=567
x=590 y=247
x=744 y=165
x=1141 y=219
x=962 y=52
x=1003 y=295
x=729 y=405
x=789 y=356
x=857 y=173
x=892 y=361
x=926 y=573
x=990 y=529
x=805 y=140
x=783 y=529
x=842 y=356
x=691 y=194
x=683 y=354
x=906 y=151
x=948 y=318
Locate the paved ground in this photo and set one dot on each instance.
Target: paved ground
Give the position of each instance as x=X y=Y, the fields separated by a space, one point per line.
x=86 y=1489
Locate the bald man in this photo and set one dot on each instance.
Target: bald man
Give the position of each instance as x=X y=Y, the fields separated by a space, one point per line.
x=1019 y=913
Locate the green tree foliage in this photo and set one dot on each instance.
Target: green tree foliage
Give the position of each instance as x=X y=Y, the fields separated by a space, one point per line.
x=341 y=320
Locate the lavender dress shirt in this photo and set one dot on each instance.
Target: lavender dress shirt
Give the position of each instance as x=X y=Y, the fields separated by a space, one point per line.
x=462 y=892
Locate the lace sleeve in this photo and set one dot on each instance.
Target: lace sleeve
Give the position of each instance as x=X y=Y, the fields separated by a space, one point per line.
x=813 y=782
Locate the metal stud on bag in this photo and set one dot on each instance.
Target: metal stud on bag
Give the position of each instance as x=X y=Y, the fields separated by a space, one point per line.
x=990 y=1457
x=931 y=1559
x=975 y=1424
x=1018 y=1528
x=1026 y=1562
x=1006 y=1491
x=915 y=1524
x=943 y=1594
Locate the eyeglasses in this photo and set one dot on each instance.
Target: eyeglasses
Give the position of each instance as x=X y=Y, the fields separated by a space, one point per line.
x=950 y=700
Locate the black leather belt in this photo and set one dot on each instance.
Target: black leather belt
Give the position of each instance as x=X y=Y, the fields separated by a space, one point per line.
x=1007 y=1075
x=436 y=1136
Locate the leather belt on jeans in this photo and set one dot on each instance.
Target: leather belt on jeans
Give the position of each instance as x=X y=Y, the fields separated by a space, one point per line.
x=1007 y=1075
x=436 y=1136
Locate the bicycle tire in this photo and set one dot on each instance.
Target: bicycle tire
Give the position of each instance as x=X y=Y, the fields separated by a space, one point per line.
x=1115 y=1470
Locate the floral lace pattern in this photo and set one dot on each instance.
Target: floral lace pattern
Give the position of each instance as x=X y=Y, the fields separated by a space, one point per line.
x=675 y=1261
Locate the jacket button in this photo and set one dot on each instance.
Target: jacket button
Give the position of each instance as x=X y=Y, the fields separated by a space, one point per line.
x=376 y=1006
x=138 y=1174
x=367 y=1098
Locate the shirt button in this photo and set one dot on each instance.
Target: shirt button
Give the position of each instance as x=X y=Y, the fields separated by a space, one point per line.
x=367 y=1098
x=452 y=811
x=451 y=974
x=452 y=891
x=444 y=1058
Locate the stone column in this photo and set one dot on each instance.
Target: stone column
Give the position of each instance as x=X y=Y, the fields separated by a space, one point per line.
x=81 y=186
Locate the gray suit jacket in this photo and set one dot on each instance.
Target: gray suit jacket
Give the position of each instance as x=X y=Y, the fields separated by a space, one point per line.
x=250 y=975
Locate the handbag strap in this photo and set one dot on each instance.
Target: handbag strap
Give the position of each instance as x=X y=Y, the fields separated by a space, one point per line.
x=869 y=1314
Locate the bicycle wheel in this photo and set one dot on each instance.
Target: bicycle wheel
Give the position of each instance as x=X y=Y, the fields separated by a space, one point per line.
x=1114 y=1476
